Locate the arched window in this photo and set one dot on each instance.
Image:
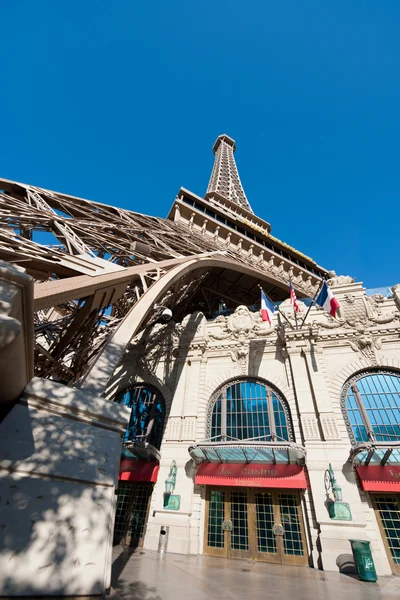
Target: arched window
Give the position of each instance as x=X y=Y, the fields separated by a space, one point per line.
x=247 y=409
x=147 y=415
x=371 y=406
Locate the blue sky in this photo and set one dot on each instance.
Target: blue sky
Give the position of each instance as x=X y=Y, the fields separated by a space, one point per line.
x=122 y=101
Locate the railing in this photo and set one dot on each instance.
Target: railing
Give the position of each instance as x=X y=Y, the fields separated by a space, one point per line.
x=385 y=291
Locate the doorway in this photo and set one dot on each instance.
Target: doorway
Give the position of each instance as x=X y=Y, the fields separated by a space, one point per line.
x=260 y=524
x=132 y=511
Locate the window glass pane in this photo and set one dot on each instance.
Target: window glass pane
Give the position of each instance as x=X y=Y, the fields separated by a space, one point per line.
x=247 y=414
x=147 y=414
x=216 y=418
x=380 y=396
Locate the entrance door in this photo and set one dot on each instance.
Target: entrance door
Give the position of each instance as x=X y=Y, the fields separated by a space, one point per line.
x=387 y=510
x=264 y=525
x=132 y=512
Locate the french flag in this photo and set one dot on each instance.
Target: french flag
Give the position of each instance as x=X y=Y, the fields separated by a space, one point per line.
x=327 y=300
x=267 y=308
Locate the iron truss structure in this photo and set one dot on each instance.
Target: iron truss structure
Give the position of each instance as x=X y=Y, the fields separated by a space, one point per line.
x=93 y=263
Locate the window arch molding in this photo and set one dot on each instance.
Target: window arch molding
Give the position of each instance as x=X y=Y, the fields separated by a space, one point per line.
x=274 y=402
x=371 y=407
x=148 y=410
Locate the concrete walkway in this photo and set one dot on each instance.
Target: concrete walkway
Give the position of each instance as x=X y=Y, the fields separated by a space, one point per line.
x=144 y=575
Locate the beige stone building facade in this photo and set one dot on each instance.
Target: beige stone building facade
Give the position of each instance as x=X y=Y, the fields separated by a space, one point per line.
x=309 y=369
x=278 y=443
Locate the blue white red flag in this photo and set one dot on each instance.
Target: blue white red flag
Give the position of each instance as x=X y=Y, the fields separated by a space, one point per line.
x=327 y=300
x=267 y=308
x=293 y=298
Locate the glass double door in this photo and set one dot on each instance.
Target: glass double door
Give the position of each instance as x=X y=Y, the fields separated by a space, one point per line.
x=259 y=524
x=387 y=510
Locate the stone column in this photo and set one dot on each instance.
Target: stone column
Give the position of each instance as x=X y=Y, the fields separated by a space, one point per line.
x=60 y=450
x=16 y=333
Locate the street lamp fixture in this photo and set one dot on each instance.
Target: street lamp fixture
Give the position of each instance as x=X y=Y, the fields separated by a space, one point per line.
x=338 y=509
x=171 y=479
x=330 y=482
x=165 y=314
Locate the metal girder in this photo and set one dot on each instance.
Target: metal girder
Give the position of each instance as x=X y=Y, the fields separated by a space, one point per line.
x=101 y=264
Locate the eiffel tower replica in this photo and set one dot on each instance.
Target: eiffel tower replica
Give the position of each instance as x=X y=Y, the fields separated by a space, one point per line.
x=129 y=343
x=104 y=270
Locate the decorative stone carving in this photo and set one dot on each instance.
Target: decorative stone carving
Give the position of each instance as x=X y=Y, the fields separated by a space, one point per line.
x=329 y=322
x=367 y=345
x=240 y=325
x=223 y=333
x=287 y=310
x=241 y=356
x=376 y=311
x=359 y=312
x=354 y=309
x=335 y=280
x=396 y=295
x=241 y=322
x=262 y=329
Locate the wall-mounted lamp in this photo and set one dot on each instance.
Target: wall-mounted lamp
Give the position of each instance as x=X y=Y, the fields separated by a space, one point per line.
x=331 y=483
x=338 y=510
x=170 y=482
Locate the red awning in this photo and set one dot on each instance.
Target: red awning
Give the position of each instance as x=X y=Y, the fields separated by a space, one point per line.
x=138 y=470
x=379 y=479
x=252 y=475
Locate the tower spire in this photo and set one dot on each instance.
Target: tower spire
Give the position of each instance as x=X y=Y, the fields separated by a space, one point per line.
x=225 y=179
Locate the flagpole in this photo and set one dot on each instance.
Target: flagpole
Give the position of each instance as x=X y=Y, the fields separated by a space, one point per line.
x=312 y=302
x=277 y=307
x=294 y=308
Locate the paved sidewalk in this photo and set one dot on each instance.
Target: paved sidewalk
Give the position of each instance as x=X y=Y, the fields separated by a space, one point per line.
x=144 y=575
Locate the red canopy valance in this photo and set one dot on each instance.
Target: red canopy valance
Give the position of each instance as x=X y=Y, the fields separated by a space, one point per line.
x=138 y=470
x=252 y=475
x=379 y=479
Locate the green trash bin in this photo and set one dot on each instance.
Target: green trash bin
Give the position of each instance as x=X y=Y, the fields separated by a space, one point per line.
x=363 y=559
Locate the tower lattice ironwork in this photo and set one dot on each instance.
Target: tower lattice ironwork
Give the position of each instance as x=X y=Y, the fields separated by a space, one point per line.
x=225 y=180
